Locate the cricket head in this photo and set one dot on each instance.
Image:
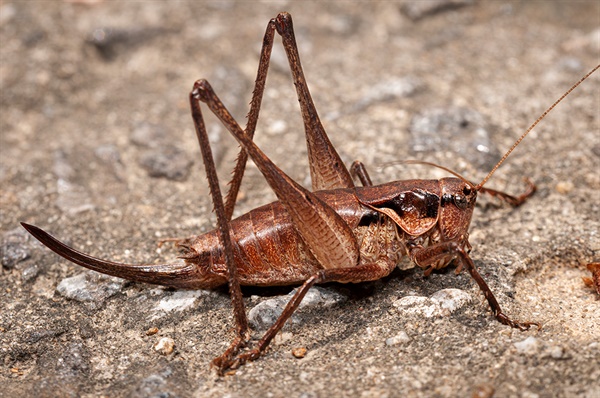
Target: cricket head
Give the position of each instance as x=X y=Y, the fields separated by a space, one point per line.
x=457 y=201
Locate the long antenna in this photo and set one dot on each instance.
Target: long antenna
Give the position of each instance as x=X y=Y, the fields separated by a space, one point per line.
x=478 y=187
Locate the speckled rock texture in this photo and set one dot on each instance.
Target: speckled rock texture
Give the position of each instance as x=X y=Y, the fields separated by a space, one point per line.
x=97 y=146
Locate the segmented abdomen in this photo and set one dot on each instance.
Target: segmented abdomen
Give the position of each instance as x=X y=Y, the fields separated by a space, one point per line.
x=268 y=250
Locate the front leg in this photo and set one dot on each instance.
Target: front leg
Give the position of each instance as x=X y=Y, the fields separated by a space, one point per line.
x=448 y=251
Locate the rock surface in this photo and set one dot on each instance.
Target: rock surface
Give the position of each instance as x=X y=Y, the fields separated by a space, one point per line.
x=85 y=87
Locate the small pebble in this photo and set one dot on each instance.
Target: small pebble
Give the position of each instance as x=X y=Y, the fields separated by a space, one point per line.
x=556 y=352
x=12 y=248
x=451 y=299
x=30 y=272
x=165 y=346
x=416 y=10
x=90 y=287
x=484 y=390
x=564 y=187
x=299 y=352
x=167 y=162
x=11 y=254
x=441 y=303
x=400 y=338
x=529 y=346
x=178 y=301
x=151 y=331
x=263 y=315
x=420 y=305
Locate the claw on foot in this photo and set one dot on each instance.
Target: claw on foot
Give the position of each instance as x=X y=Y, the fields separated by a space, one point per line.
x=502 y=318
x=232 y=360
x=229 y=359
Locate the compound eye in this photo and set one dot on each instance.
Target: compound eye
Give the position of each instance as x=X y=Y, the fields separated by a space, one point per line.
x=460 y=201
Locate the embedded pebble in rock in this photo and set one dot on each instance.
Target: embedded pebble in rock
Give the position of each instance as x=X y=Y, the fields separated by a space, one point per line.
x=72 y=198
x=152 y=331
x=13 y=249
x=166 y=161
x=90 y=287
x=110 y=155
x=417 y=305
x=556 y=352
x=112 y=42
x=564 y=187
x=178 y=301
x=529 y=346
x=165 y=346
x=146 y=134
x=442 y=302
x=460 y=130
x=416 y=10
x=386 y=90
x=73 y=361
x=318 y=296
x=12 y=253
x=30 y=273
x=263 y=315
x=451 y=299
x=155 y=385
x=299 y=352
x=400 y=338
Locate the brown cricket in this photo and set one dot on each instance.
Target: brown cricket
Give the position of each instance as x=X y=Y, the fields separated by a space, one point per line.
x=338 y=232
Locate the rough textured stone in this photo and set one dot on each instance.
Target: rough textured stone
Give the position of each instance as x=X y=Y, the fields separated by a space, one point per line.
x=443 y=302
x=90 y=287
x=263 y=315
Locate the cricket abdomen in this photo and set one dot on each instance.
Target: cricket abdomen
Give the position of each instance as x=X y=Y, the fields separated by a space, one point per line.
x=268 y=250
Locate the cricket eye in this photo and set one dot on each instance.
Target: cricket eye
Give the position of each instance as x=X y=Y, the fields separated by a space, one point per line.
x=460 y=201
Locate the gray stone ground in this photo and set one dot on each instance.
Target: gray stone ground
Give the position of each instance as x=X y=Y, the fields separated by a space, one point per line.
x=97 y=146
